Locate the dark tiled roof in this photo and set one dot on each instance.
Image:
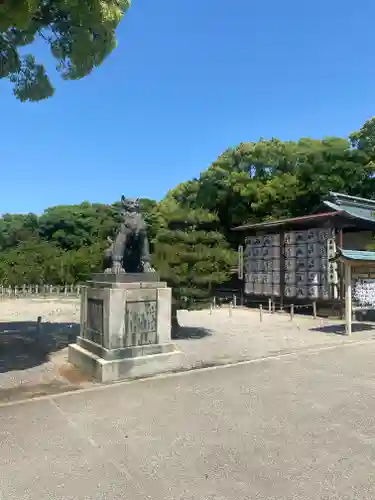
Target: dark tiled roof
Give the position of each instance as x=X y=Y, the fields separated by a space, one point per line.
x=339 y=204
x=291 y=221
x=359 y=208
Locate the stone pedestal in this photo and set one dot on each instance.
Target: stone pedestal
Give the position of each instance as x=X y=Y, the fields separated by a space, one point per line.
x=125 y=328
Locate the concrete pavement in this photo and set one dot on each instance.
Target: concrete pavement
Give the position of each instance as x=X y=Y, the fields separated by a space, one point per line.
x=299 y=426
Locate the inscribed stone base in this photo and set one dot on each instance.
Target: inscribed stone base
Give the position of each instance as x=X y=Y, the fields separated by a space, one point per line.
x=170 y=359
x=125 y=328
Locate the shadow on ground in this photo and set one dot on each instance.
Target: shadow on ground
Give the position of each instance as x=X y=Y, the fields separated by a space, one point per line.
x=22 y=347
x=191 y=333
x=340 y=329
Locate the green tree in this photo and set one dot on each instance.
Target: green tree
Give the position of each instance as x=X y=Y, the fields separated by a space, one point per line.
x=64 y=245
x=149 y=210
x=30 y=262
x=270 y=179
x=73 y=226
x=15 y=228
x=190 y=254
x=77 y=265
x=314 y=169
x=364 y=138
x=79 y=33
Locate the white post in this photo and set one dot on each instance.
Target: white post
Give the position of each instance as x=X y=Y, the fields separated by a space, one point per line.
x=348 y=298
x=314 y=310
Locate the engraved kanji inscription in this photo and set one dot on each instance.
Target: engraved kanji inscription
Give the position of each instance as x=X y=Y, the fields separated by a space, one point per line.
x=140 y=323
x=94 y=327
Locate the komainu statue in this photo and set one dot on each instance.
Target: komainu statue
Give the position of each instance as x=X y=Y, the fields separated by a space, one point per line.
x=129 y=251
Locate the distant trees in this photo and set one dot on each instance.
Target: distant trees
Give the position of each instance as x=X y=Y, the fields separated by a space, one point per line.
x=63 y=245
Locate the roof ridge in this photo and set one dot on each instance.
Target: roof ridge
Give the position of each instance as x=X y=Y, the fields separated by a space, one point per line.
x=278 y=222
x=337 y=197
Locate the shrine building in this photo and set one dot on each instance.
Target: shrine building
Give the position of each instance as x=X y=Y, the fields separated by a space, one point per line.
x=293 y=260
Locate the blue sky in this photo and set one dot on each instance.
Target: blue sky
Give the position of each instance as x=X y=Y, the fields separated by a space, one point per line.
x=188 y=80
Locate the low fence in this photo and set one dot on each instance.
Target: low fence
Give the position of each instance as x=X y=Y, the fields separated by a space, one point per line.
x=266 y=305
x=229 y=297
x=7 y=292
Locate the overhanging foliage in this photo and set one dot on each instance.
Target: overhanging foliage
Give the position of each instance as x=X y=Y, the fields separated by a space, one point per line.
x=79 y=33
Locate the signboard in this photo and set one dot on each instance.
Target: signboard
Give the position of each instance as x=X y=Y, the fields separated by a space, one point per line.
x=300 y=266
x=364 y=290
x=140 y=323
x=94 y=326
x=261 y=263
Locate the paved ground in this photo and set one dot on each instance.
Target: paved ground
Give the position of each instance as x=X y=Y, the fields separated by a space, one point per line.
x=297 y=427
x=28 y=368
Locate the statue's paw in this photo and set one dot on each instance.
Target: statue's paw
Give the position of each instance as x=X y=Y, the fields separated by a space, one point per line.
x=117 y=269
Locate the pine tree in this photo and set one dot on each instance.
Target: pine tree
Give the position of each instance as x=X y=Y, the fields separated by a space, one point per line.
x=191 y=255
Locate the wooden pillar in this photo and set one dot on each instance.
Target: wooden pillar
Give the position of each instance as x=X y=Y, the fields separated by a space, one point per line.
x=341 y=270
x=348 y=298
x=282 y=268
x=341 y=238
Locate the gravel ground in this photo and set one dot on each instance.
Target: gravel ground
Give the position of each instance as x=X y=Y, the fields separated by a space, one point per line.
x=25 y=366
x=243 y=336
x=206 y=339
